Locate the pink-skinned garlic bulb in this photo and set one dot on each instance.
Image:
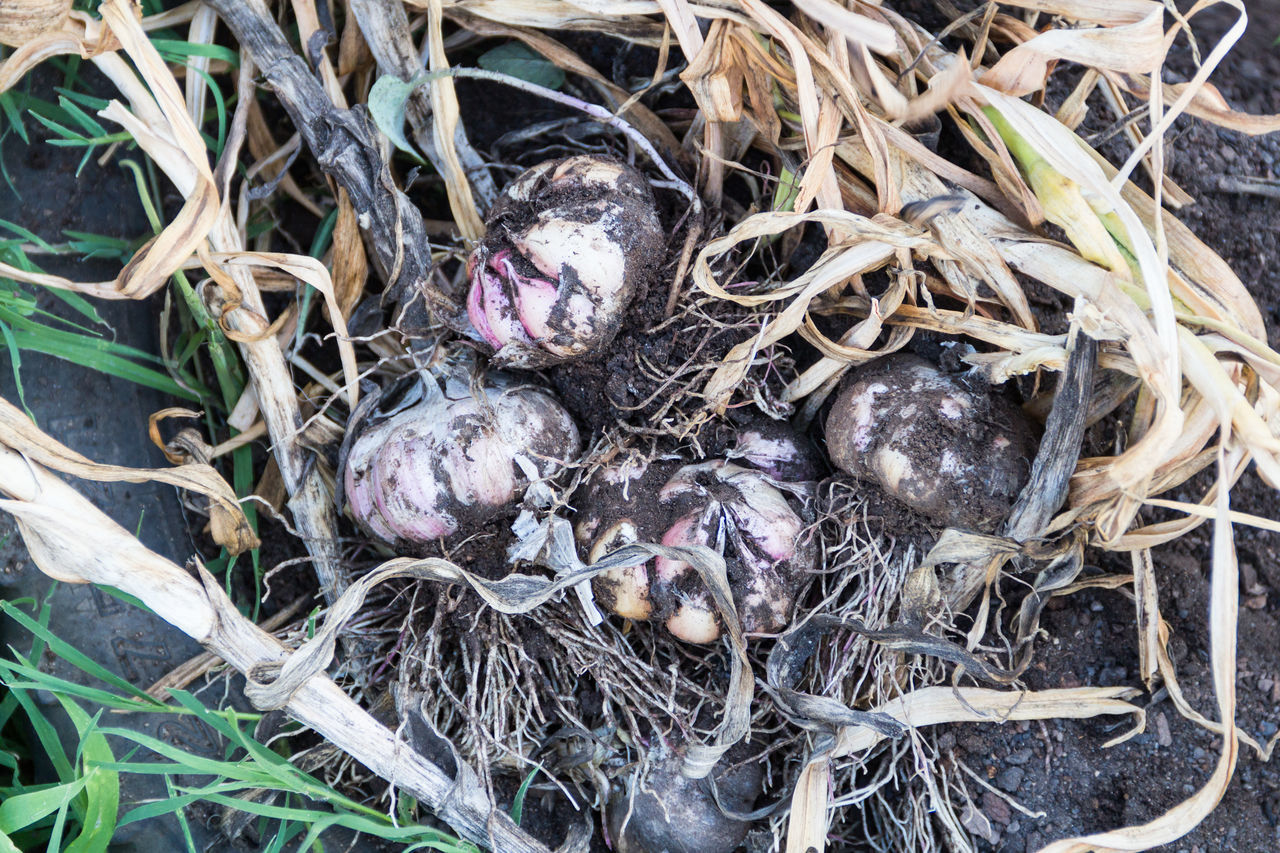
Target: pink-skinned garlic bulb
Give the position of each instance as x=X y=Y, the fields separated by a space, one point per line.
x=741 y=513
x=453 y=458
x=779 y=451
x=568 y=245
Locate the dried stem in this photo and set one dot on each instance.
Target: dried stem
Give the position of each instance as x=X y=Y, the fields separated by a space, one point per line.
x=345 y=144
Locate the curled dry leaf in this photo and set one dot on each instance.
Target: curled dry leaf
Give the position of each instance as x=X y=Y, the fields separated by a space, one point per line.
x=227 y=523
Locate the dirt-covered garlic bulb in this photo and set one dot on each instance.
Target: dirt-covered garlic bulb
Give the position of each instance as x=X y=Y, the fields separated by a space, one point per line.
x=453 y=458
x=568 y=246
x=779 y=451
x=666 y=812
x=957 y=455
x=736 y=511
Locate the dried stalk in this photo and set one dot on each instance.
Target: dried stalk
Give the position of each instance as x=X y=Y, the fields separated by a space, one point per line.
x=94 y=549
x=385 y=27
x=346 y=147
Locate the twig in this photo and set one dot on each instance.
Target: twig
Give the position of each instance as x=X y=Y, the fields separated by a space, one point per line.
x=1268 y=187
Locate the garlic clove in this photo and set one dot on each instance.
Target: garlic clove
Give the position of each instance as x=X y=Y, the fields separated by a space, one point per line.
x=694 y=622
x=625 y=591
x=478 y=317
x=535 y=300
x=694 y=619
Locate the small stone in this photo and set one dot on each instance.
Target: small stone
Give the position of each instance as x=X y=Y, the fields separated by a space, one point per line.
x=996 y=808
x=1163 y=736
x=1010 y=779
x=1022 y=756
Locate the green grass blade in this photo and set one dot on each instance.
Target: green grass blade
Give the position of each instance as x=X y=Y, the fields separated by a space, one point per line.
x=44 y=730
x=72 y=655
x=101 y=788
x=25 y=809
x=15 y=359
x=14 y=116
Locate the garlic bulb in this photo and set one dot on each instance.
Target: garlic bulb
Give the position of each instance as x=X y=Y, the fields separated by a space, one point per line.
x=955 y=454
x=569 y=244
x=733 y=510
x=452 y=459
x=664 y=810
x=776 y=449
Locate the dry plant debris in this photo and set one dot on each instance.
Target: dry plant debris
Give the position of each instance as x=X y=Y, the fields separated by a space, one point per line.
x=842 y=104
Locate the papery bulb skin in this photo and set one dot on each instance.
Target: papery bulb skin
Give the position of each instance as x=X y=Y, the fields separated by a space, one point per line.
x=957 y=455
x=453 y=460
x=736 y=511
x=568 y=245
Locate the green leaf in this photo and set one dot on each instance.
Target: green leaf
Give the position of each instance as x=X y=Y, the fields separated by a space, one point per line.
x=517 y=60
x=784 y=197
x=7 y=845
x=517 y=805
x=387 y=100
x=26 y=809
x=101 y=788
